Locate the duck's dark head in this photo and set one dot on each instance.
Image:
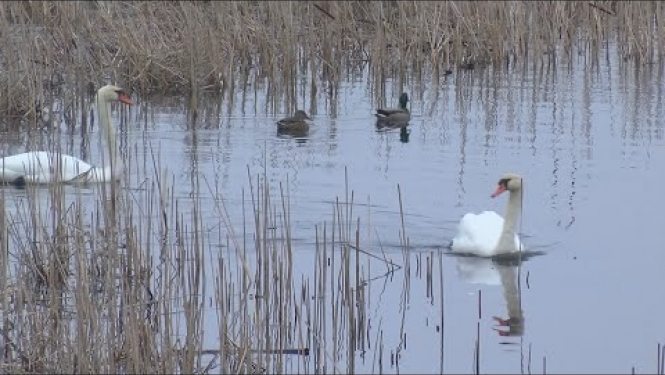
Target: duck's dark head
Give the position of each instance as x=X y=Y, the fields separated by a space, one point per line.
x=302 y=115
x=403 y=100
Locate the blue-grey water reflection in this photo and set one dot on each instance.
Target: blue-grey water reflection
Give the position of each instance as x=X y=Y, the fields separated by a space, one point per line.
x=588 y=141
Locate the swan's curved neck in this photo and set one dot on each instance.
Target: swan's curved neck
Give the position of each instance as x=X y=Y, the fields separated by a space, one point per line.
x=110 y=161
x=513 y=210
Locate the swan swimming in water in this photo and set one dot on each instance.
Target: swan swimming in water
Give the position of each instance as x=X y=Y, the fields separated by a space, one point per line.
x=42 y=167
x=487 y=234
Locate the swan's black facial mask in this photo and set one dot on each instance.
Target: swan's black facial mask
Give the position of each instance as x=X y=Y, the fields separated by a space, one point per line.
x=503 y=186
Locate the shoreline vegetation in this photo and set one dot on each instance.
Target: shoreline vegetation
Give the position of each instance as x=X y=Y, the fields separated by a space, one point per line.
x=63 y=51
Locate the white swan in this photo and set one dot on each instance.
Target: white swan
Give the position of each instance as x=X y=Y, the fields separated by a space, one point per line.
x=41 y=167
x=488 y=234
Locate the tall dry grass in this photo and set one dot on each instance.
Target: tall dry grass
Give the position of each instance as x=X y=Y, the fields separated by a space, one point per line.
x=135 y=278
x=60 y=50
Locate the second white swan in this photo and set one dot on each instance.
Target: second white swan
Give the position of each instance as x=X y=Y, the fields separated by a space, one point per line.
x=487 y=234
x=42 y=167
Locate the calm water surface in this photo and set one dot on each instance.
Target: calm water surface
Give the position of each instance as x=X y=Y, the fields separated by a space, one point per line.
x=589 y=143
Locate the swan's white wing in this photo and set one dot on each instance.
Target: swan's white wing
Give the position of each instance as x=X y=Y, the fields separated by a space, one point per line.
x=41 y=167
x=478 y=234
x=71 y=167
x=32 y=164
x=8 y=175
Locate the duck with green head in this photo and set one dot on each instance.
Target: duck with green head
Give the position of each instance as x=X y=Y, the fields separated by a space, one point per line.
x=299 y=122
x=394 y=117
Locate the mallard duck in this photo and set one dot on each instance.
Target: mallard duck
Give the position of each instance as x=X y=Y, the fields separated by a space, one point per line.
x=394 y=117
x=299 y=122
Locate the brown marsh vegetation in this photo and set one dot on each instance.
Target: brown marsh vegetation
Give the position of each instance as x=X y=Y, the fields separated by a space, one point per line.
x=62 y=50
x=120 y=285
x=125 y=280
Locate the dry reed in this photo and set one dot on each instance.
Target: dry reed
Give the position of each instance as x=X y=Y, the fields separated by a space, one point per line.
x=55 y=52
x=108 y=278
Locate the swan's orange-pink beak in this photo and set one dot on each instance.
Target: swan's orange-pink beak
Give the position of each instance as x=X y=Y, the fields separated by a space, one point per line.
x=124 y=98
x=499 y=189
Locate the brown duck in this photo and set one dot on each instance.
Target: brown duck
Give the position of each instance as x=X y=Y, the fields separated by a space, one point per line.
x=299 y=122
x=394 y=117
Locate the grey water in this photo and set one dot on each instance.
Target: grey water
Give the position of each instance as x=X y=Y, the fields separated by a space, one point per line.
x=587 y=137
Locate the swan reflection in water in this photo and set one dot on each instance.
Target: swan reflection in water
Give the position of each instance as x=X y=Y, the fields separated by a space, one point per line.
x=496 y=271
